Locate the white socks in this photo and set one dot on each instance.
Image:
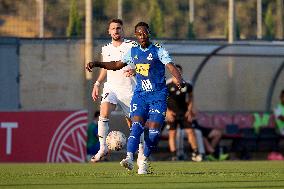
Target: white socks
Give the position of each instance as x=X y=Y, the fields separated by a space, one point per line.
x=141 y=148
x=103 y=128
x=130 y=155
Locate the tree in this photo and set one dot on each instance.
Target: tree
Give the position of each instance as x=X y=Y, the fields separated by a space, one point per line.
x=269 y=24
x=74 y=25
x=156 y=19
x=191 y=34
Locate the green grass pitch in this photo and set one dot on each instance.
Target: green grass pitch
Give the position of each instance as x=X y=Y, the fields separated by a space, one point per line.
x=228 y=174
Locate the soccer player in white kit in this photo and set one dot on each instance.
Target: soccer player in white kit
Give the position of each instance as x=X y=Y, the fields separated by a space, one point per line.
x=118 y=89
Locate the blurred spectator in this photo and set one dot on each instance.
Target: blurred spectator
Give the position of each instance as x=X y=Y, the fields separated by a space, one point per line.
x=179 y=114
x=93 y=144
x=279 y=114
x=279 y=119
x=211 y=140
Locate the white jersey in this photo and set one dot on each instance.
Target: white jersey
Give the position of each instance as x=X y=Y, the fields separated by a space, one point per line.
x=118 y=89
x=116 y=80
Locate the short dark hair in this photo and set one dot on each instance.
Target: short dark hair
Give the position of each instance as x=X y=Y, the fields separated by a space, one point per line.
x=116 y=20
x=142 y=24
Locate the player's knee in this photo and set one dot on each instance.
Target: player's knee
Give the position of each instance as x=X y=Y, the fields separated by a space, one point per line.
x=136 y=129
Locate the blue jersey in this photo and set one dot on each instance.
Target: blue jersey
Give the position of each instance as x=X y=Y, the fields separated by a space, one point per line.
x=150 y=66
x=150 y=96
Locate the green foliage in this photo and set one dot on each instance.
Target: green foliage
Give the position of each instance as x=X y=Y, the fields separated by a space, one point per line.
x=269 y=24
x=75 y=22
x=170 y=15
x=238 y=30
x=156 y=19
x=191 y=34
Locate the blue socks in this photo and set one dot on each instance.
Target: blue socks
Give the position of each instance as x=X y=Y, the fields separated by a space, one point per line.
x=134 y=139
x=151 y=141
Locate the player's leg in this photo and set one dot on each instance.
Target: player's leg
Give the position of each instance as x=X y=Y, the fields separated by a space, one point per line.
x=171 y=125
x=191 y=137
x=199 y=137
x=215 y=135
x=108 y=104
x=152 y=135
x=128 y=122
x=124 y=100
x=136 y=130
x=137 y=115
x=156 y=118
x=212 y=154
x=200 y=143
x=172 y=141
x=192 y=141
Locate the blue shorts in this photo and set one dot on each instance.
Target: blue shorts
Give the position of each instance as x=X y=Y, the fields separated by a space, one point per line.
x=151 y=106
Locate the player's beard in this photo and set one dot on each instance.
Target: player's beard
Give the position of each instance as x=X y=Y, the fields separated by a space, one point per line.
x=116 y=38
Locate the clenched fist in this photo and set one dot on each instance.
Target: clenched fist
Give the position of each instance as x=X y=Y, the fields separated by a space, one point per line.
x=90 y=66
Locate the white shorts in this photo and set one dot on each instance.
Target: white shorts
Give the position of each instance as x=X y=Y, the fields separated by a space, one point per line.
x=118 y=97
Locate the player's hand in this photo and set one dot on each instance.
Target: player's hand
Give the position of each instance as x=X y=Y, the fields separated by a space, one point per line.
x=170 y=115
x=95 y=92
x=189 y=115
x=129 y=72
x=181 y=84
x=90 y=66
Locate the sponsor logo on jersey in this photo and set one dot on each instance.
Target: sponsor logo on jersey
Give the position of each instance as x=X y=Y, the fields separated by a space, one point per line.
x=158 y=45
x=154 y=111
x=150 y=57
x=146 y=85
x=143 y=69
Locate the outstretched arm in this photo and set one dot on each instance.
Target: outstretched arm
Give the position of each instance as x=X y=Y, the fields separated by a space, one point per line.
x=113 y=65
x=175 y=72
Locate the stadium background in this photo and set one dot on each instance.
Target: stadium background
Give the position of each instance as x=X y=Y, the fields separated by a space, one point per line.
x=44 y=71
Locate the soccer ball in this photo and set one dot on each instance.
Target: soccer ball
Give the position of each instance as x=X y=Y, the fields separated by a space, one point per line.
x=115 y=140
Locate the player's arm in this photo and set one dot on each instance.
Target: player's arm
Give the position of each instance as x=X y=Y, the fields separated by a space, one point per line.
x=170 y=115
x=113 y=65
x=167 y=60
x=190 y=113
x=96 y=88
x=175 y=73
x=102 y=75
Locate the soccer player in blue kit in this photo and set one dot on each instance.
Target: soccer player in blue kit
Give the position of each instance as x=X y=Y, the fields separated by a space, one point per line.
x=149 y=102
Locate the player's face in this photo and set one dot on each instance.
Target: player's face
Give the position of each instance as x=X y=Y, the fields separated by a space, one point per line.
x=116 y=32
x=142 y=35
